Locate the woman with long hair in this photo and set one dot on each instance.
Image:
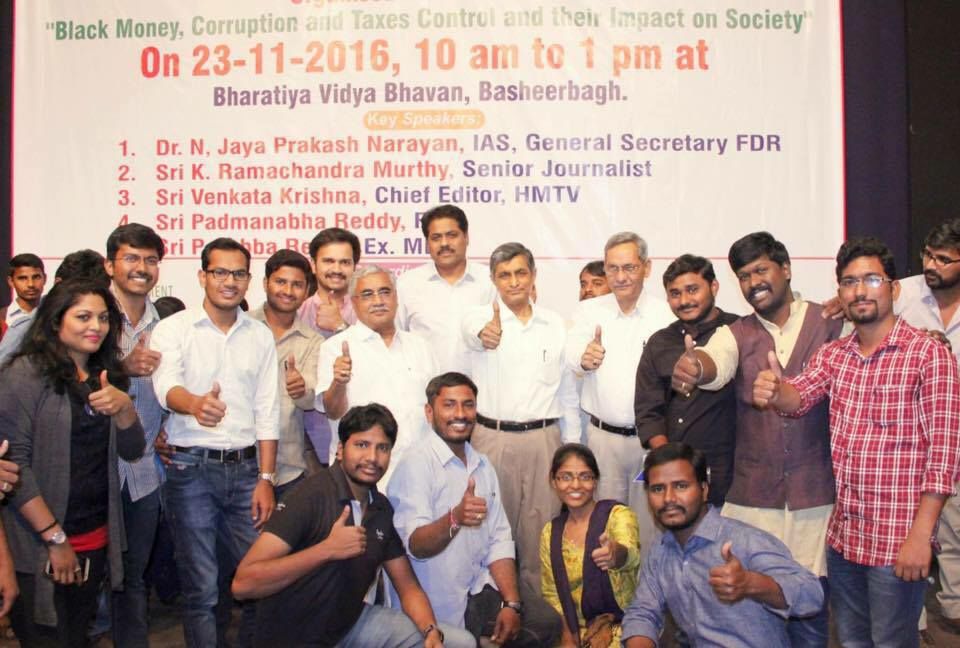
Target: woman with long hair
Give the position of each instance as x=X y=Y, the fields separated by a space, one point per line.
x=65 y=410
x=589 y=554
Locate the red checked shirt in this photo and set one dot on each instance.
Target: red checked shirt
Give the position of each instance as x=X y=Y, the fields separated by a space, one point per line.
x=894 y=434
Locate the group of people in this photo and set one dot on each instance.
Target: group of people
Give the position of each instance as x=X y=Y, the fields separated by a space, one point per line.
x=438 y=459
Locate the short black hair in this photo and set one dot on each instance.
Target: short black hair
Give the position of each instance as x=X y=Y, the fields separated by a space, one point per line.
x=945 y=235
x=753 y=246
x=83 y=264
x=222 y=243
x=687 y=263
x=363 y=417
x=26 y=260
x=449 y=379
x=168 y=305
x=866 y=246
x=289 y=258
x=579 y=450
x=135 y=235
x=335 y=235
x=594 y=268
x=676 y=451
x=444 y=211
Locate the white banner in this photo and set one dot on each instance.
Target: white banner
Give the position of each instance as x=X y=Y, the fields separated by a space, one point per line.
x=551 y=124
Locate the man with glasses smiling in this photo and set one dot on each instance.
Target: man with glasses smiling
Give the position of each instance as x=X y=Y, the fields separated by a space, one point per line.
x=218 y=377
x=894 y=398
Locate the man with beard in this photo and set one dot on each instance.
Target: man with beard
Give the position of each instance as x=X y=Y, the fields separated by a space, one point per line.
x=930 y=301
x=321 y=551
x=724 y=582
x=373 y=361
x=450 y=517
x=894 y=398
x=782 y=478
x=593 y=281
x=705 y=420
x=434 y=297
x=27 y=279
x=335 y=253
x=298 y=345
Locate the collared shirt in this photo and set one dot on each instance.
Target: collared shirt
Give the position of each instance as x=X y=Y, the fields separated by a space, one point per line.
x=608 y=392
x=678 y=578
x=722 y=347
x=894 y=434
x=14 y=335
x=917 y=305
x=394 y=376
x=143 y=476
x=308 y=314
x=15 y=313
x=433 y=309
x=303 y=343
x=429 y=481
x=321 y=606
x=243 y=361
x=525 y=377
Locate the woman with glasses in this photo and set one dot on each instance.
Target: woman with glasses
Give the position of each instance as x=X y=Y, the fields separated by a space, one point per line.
x=589 y=554
x=65 y=410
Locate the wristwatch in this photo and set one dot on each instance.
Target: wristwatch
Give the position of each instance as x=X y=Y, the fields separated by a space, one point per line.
x=270 y=477
x=57 y=538
x=516 y=606
x=430 y=628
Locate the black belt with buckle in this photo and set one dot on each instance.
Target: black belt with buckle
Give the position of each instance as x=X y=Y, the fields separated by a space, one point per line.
x=219 y=456
x=616 y=429
x=514 y=426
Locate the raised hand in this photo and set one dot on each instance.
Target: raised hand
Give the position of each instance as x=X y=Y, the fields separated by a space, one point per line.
x=346 y=541
x=108 y=399
x=766 y=386
x=141 y=361
x=328 y=311
x=343 y=366
x=208 y=409
x=729 y=580
x=592 y=356
x=688 y=370
x=490 y=334
x=606 y=555
x=295 y=384
x=472 y=510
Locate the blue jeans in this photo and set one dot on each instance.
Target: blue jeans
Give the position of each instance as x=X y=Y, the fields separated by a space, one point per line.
x=206 y=501
x=813 y=631
x=871 y=606
x=140 y=520
x=381 y=627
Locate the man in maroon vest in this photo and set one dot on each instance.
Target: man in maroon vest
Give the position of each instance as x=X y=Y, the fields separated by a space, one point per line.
x=782 y=479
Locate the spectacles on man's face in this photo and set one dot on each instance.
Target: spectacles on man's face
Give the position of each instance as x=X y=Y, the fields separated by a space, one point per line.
x=583 y=478
x=221 y=274
x=938 y=259
x=870 y=281
x=135 y=259
x=612 y=270
x=367 y=295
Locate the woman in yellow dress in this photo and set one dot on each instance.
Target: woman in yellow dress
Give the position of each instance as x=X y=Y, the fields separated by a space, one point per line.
x=589 y=554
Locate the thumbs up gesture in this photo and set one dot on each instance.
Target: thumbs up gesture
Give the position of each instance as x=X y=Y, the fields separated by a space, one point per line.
x=141 y=361
x=343 y=366
x=688 y=369
x=346 y=541
x=472 y=510
x=109 y=400
x=592 y=356
x=766 y=386
x=293 y=379
x=208 y=409
x=609 y=555
x=490 y=334
x=729 y=580
x=328 y=316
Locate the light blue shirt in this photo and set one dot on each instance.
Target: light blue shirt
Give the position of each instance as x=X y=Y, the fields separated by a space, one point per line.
x=678 y=578
x=427 y=483
x=920 y=309
x=14 y=336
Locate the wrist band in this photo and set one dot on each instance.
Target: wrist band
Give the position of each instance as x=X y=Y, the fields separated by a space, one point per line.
x=47 y=528
x=454 y=527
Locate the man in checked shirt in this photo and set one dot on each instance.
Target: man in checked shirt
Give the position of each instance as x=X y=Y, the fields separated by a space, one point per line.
x=895 y=443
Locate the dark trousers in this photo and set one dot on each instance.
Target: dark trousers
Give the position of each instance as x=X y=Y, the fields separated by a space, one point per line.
x=140 y=519
x=75 y=606
x=541 y=625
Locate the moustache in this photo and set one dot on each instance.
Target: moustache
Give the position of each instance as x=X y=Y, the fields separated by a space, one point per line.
x=337 y=275
x=445 y=249
x=756 y=289
x=461 y=421
x=670 y=509
x=931 y=274
x=140 y=275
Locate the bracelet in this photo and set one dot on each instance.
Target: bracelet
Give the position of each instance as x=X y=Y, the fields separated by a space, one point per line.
x=454 y=527
x=47 y=528
x=699 y=367
x=430 y=628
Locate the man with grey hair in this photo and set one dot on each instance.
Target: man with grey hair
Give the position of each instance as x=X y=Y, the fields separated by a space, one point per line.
x=372 y=361
x=516 y=357
x=619 y=322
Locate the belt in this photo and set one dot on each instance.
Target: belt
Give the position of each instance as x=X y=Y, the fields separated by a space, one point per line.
x=616 y=429
x=218 y=456
x=514 y=426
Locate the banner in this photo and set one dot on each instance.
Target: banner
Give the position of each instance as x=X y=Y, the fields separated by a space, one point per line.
x=552 y=124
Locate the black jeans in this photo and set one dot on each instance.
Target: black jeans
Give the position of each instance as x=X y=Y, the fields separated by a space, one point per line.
x=541 y=625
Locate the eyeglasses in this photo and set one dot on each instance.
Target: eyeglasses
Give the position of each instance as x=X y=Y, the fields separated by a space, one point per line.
x=870 y=281
x=583 y=478
x=221 y=274
x=135 y=259
x=938 y=259
x=629 y=268
x=368 y=295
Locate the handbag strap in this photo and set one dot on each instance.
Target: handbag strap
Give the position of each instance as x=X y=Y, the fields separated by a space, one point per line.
x=598 y=597
x=560 y=575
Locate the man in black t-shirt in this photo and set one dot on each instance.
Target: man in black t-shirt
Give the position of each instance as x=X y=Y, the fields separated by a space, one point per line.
x=319 y=554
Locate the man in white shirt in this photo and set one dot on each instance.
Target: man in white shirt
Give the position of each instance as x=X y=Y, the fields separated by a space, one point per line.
x=27 y=279
x=372 y=361
x=218 y=377
x=605 y=345
x=516 y=350
x=434 y=297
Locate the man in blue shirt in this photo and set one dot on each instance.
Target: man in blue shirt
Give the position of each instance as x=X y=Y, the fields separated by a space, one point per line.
x=725 y=583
